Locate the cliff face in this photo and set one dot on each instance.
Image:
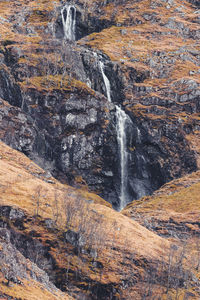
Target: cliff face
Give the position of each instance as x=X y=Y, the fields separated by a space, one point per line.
x=57 y=91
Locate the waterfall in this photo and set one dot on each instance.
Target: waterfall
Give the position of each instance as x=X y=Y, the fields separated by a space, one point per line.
x=89 y=83
x=122 y=119
x=106 y=81
x=69 y=22
x=139 y=135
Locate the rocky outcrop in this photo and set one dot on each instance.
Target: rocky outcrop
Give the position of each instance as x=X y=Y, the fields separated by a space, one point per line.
x=91 y=64
x=14 y=264
x=176 y=217
x=79 y=137
x=63 y=121
x=9 y=90
x=86 y=23
x=18 y=129
x=159 y=152
x=73 y=133
x=195 y=2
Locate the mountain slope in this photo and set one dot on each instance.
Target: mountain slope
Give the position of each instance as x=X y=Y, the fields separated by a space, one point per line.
x=173 y=212
x=59 y=100
x=174 y=204
x=105 y=250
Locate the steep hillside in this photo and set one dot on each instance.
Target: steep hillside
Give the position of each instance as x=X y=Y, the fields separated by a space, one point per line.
x=58 y=238
x=174 y=207
x=173 y=212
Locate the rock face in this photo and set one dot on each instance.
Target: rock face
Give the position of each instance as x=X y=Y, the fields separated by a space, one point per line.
x=59 y=115
x=86 y=23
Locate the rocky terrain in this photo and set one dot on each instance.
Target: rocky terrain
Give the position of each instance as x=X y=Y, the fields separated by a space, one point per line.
x=104 y=96
x=46 y=239
x=150 y=56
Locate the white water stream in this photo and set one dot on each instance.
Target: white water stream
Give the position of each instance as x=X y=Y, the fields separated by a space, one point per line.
x=68 y=14
x=106 y=81
x=122 y=119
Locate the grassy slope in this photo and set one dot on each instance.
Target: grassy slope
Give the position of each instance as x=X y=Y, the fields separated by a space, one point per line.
x=180 y=196
x=157 y=39
x=20 y=179
x=139 y=41
x=29 y=290
x=173 y=212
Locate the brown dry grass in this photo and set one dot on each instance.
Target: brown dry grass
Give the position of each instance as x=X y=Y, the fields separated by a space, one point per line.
x=138 y=44
x=20 y=179
x=174 y=206
x=30 y=290
x=18 y=174
x=178 y=199
x=19 y=183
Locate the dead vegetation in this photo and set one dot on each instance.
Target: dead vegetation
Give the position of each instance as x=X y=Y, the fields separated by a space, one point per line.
x=103 y=246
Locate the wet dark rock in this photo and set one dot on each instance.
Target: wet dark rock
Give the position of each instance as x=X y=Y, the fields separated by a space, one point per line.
x=91 y=62
x=72 y=237
x=12 y=213
x=9 y=90
x=86 y=23
x=17 y=128
x=13 y=256
x=73 y=133
x=75 y=138
x=195 y=2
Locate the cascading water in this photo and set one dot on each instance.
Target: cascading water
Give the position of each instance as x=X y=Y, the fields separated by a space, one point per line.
x=138 y=135
x=122 y=119
x=68 y=14
x=106 y=81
